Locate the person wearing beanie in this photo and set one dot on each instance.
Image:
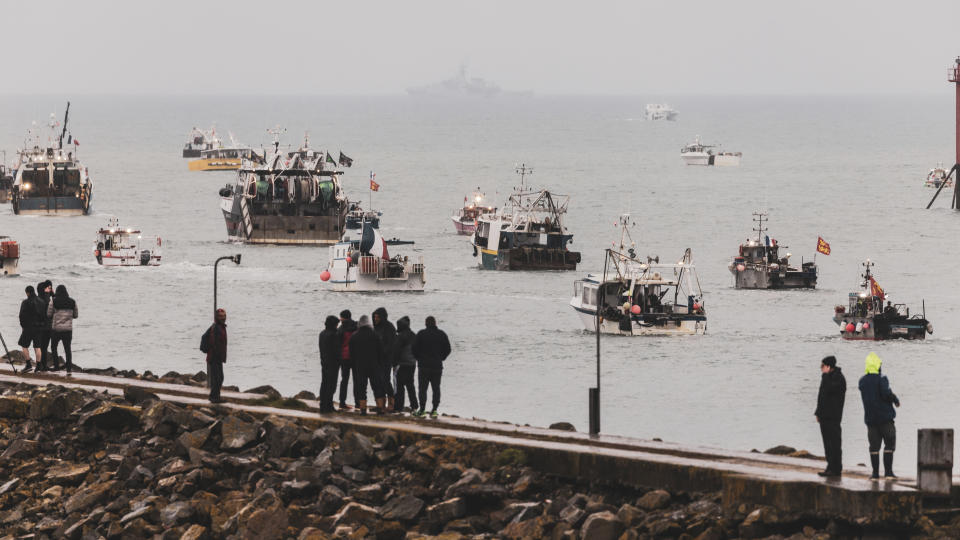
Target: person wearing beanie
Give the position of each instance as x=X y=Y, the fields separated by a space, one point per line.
x=829 y=413
x=878 y=415
x=347 y=327
x=367 y=354
x=329 y=362
x=29 y=335
x=388 y=337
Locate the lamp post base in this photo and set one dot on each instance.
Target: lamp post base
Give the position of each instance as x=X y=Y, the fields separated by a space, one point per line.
x=594 y=411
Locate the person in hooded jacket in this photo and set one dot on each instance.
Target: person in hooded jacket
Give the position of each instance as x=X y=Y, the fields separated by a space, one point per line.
x=878 y=414
x=406 y=365
x=216 y=337
x=329 y=362
x=29 y=318
x=388 y=337
x=431 y=347
x=367 y=353
x=62 y=310
x=830 y=399
x=44 y=294
x=347 y=327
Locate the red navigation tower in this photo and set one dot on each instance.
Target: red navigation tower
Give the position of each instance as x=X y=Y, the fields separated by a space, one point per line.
x=953 y=75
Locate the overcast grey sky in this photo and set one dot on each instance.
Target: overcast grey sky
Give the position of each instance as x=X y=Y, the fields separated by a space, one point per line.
x=550 y=47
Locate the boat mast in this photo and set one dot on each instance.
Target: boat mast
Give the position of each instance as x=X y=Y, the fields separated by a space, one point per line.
x=523 y=171
x=64 y=132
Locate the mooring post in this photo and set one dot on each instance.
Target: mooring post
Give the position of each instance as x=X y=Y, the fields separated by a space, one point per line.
x=935 y=461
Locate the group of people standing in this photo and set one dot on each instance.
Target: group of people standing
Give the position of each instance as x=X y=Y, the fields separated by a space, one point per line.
x=46 y=320
x=878 y=411
x=385 y=358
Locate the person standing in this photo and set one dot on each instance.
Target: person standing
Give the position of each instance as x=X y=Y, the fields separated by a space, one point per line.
x=406 y=365
x=44 y=294
x=388 y=337
x=431 y=347
x=216 y=338
x=366 y=350
x=878 y=414
x=62 y=311
x=347 y=327
x=830 y=399
x=329 y=362
x=29 y=319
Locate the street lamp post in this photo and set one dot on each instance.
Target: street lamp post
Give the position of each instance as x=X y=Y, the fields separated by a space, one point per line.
x=594 y=393
x=236 y=260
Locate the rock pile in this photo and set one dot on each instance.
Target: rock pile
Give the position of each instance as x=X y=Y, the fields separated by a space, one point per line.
x=85 y=465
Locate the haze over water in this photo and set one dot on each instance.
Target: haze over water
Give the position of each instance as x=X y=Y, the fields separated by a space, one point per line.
x=849 y=169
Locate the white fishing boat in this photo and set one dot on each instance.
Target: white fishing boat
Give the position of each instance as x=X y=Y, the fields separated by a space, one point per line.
x=118 y=246
x=938 y=176
x=637 y=297
x=660 y=111
x=697 y=153
x=365 y=265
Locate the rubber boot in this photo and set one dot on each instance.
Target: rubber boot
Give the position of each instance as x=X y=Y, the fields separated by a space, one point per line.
x=362 y=404
x=380 y=403
x=888 y=464
x=390 y=404
x=875 y=461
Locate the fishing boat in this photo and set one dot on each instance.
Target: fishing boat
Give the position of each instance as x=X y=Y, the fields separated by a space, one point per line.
x=365 y=265
x=200 y=140
x=697 y=153
x=660 y=111
x=9 y=256
x=637 y=297
x=866 y=318
x=286 y=200
x=222 y=159
x=357 y=216
x=465 y=219
x=760 y=266
x=49 y=178
x=119 y=246
x=938 y=176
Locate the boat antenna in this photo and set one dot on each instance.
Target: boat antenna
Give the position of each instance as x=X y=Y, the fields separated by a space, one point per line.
x=64 y=132
x=759 y=217
x=523 y=171
x=276 y=132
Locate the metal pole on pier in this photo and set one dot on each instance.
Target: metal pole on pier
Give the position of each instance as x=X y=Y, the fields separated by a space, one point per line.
x=594 y=393
x=953 y=75
x=236 y=260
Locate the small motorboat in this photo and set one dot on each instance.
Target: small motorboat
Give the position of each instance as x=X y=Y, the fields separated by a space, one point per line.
x=365 y=265
x=117 y=246
x=465 y=219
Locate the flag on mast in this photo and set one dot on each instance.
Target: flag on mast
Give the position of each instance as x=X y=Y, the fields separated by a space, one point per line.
x=823 y=246
x=345 y=161
x=875 y=289
x=373 y=185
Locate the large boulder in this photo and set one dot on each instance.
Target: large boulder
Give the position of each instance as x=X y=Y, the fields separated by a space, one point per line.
x=237 y=434
x=356 y=514
x=21 y=448
x=602 y=526
x=280 y=435
x=268 y=392
x=402 y=507
x=14 y=407
x=176 y=513
x=89 y=496
x=196 y=438
x=354 y=450
x=111 y=416
x=264 y=518
x=195 y=532
x=446 y=511
x=654 y=500
x=54 y=403
x=138 y=395
x=68 y=473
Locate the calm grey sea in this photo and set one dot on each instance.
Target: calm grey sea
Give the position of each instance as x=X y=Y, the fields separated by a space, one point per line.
x=847 y=168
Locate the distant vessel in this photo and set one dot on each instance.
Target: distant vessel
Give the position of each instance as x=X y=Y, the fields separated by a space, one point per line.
x=637 y=297
x=357 y=216
x=460 y=85
x=199 y=141
x=660 y=111
x=527 y=233
x=697 y=153
x=465 y=219
x=6 y=183
x=938 y=176
x=866 y=318
x=117 y=246
x=223 y=159
x=759 y=265
x=365 y=265
x=286 y=200
x=49 y=179
x=9 y=256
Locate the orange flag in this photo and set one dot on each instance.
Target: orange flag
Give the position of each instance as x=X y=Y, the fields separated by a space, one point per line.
x=823 y=246
x=374 y=186
x=875 y=289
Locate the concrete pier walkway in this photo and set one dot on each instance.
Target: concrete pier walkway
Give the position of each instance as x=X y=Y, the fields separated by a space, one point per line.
x=789 y=484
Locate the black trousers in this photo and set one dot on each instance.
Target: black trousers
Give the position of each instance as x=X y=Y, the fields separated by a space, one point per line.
x=405 y=383
x=55 y=339
x=832 y=449
x=345 y=369
x=328 y=384
x=362 y=376
x=43 y=335
x=215 y=378
x=429 y=377
x=887 y=433
x=386 y=380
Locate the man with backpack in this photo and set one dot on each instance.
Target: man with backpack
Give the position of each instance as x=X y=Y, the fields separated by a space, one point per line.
x=214 y=343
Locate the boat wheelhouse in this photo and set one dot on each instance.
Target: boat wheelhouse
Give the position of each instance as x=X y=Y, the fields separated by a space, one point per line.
x=760 y=266
x=527 y=234
x=200 y=140
x=357 y=216
x=365 y=265
x=660 y=111
x=866 y=318
x=286 y=200
x=9 y=256
x=697 y=153
x=119 y=246
x=465 y=219
x=635 y=297
x=49 y=179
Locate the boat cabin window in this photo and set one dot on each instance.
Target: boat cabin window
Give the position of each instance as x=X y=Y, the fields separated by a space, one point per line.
x=577 y=288
x=589 y=296
x=39 y=181
x=66 y=181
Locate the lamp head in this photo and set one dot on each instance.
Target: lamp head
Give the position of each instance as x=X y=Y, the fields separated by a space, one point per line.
x=236 y=258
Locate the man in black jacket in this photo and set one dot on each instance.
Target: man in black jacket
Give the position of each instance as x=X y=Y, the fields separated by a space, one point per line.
x=216 y=354
x=347 y=327
x=388 y=337
x=329 y=362
x=367 y=354
x=431 y=347
x=833 y=392
x=44 y=293
x=29 y=322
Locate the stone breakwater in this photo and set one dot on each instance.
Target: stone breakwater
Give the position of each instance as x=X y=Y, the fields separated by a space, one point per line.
x=80 y=464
